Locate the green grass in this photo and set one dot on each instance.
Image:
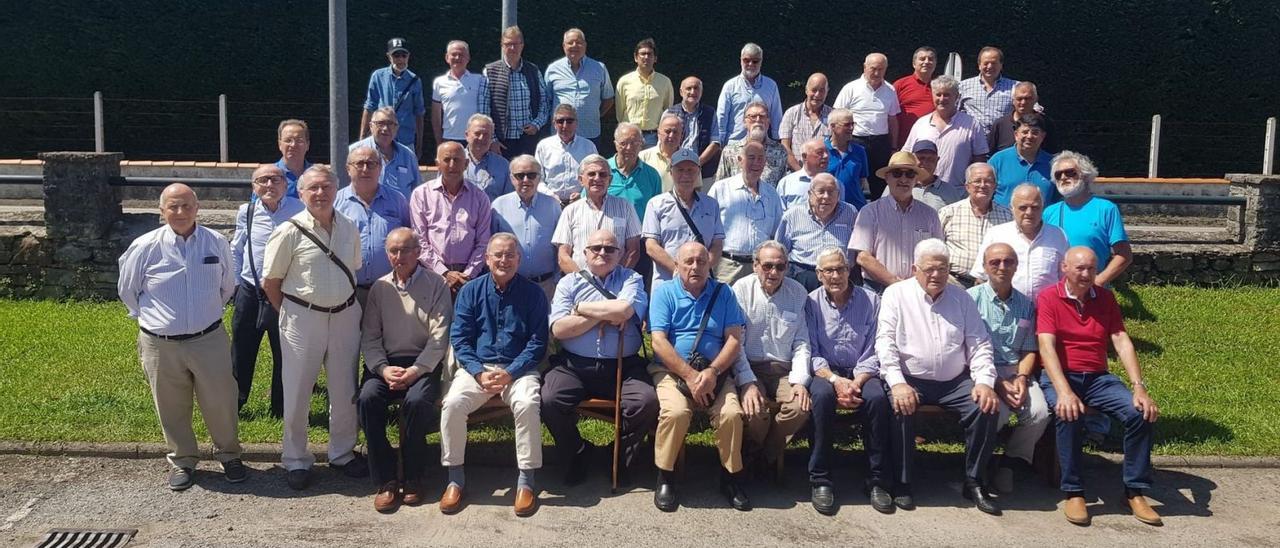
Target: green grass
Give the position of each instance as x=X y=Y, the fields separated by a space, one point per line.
x=71 y=373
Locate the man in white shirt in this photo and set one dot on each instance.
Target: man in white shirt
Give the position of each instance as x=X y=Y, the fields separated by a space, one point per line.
x=1040 y=247
x=560 y=154
x=455 y=95
x=875 y=114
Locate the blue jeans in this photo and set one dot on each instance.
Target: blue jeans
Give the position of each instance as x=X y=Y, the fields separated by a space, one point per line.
x=876 y=415
x=1106 y=393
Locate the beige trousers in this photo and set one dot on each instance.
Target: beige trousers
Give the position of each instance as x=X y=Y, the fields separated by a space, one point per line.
x=768 y=431
x=523 y=396
x=177 y=370
x=310 y=341
x=729 y=270
x=676 y=412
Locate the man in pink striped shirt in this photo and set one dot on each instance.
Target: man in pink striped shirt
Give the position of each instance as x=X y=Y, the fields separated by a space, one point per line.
x=451 y=218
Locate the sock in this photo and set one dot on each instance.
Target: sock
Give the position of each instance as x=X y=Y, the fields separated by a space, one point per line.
x=457 y=476
x=525 y=479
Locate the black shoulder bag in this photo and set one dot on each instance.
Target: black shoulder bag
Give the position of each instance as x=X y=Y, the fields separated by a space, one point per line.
x=266 y=313
x=688 y=220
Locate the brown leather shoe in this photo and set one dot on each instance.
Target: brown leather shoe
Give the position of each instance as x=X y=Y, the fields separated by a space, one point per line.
x=1143 y=511
x=388 y=497
x=1076 y=510
x=451 y=500
x=526 y=502
x=412 y=493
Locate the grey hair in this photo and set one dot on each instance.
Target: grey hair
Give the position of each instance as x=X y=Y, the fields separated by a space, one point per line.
x=481 y=117
x=839 y=113
x=592 y=159
x=754 y=104
x=465 y=46
x=574 y=30
x=968 y=171
x=625 y=126
x=668 y=114
x=527 y=158
x=1088 y=172
x=752 y=49
x=1027 y=187
x=945 y=82
x=1026 y=84
x=402 y=230
x=931 y=247
x=825 y=177
x=769 y=244
x=389 y=111
x=317 y=170
x=503 y=237
x=833 y=251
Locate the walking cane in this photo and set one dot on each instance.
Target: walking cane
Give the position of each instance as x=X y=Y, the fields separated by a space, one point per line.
x=617 y=413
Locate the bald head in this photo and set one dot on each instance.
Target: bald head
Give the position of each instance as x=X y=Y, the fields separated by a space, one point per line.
x=178 y=190
x=815 y=91
x=178 y=208
x=873 y=69
x=1079 y=269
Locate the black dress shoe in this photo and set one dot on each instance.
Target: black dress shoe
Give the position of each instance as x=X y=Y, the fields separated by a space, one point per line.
x=981 y=499
x=577 y=472
x=357 y=467
x=734 y=493
x=181 y=478
x=298 y=479
x=824 y=499
x=235 y=470
x=882 y=501
x=664 y=495
x=902 y=497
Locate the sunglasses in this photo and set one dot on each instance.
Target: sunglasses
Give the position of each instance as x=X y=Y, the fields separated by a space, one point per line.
x=1002 y=262
x=602 y=249
x=903 y=173
x=834 y=270
x=776 y=267
x=525 y=175
x=562 y=121
x=1072 y=173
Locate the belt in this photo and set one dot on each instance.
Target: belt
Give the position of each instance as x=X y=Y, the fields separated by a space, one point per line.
x=805 y=267
x=584 y=361
x=326 y=309
x=456 y=267
x=206 y=331
x=737 y=258
x=542 y=278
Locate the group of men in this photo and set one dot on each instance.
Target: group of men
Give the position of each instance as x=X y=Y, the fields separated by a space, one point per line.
x=772 y=298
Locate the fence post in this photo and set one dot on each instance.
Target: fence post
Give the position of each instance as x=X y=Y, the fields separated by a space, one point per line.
x=1153 y=160
x=1269 y=147
x=99 y=141
x=222 y=129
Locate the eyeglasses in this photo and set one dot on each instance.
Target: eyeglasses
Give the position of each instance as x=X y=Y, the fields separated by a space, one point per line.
x=503 y=256
x=1072 y=173
x=363 y=164
x=561 y=121
x=756 y=116
x=834 y=270
x=936 y=271
x=385 y=123
x=525 y=175
x=400 y=54
x=776 y=267
x=602 y=249
x=903 y=173
x=1003 y=262
x=268 y=179
x=399 y=250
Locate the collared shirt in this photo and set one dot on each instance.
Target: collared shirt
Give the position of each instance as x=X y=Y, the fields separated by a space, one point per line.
x=776 y=329
x=748 y=218
x=794 y=188
x=412 y=320
x=1096 y=224
x=799 y=127
x=806 y=236
x=938 y=194
x=642 y=101
x=1039 y=260
x=850 y=167
x=1011 y=323
x=1011 y=171
x=678 y=314
x=637 y=187
x=264 y=221
x=1081 y=329
x=533 y=224
x=986 y=105
x=507 y=329
x=386 y=89
x=871 y=107
x=1000 y=136
x=291 y=178
x=490 y=173
x=890 y=233
x=843 y=339
x=915 y=97
x=388 y=211
x=736 y=94
x=451 y=229
x=560 y=164
x=957 y=142
x=697 y=131
x=400 y=172
x=307 y=272
x=664 y=223
x=174 y=285
x=661 y=163
x=580 y=218
x=964 y=230
x=602 y=341
x=585 y=89
x=519 y=108
x=930 y=339
x=775 y=161
x=459 y=98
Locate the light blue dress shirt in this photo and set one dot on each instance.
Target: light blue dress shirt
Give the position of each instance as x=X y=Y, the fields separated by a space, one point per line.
x=584 y=90
x=389 y=211
x=399 y=173
x=736 y=94
x=533 y=224
x=602 y=342
x=748 y=219
x=264 y=221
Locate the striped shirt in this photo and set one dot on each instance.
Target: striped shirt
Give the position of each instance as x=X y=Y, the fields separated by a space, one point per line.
x=560 y=164
x=174 y=285
x=806 y=236
x=776 y=329
x=452 y=230
x=264 y=221
x=579 y=219
x=987 y=106
x=1039 y=260
x=928 y=339
x=890 y=233
x=964 y=230
x=799 y=127
x=602 y=342
x=664 y=223
x=1011 y=323
x=748 y=218
x=307 y=272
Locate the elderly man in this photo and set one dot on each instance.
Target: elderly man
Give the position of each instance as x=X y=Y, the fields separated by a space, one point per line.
x=452 y=219
x=776 y=345
x=404 y=340
x=1025 y=162
x=698 y=120
x=934 y=349
x=486 y=169
x=805 y=121
x=806 y=229
x=886 y=232
x=456 y=95
x=307 y=275
x=750 y=212
x=846 y=374
x=756 y=119
x=914 y=96
x=694 y=357
x=1010 y=318
x=253 y=315
x=670 y=139
x=683 y=215
x=560 y=154
x=589 y=313
x=1074 y=321
x=1088 y=220
x=1039 y=246
x=400 y=89
x=794 y=187
x=930 y=189
x=847 y=160
x=595 y=211
x=499 y=335
x=966 y=222
x=376 y=210
x=581 y=82
x=739 y=92
x=517 y=98
x=875 y=108
x=532 y=217
x=1025 y=99
x=294 y=140
x=989 y=95
x=644 y=93
x=633 y=180
x=957 y=136
x=399 y=165
x=175 y=280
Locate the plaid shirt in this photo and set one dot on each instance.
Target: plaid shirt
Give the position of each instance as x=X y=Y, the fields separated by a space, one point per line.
x=987 y=106
x=519 y=113
x=797 y=126
x=965 y=230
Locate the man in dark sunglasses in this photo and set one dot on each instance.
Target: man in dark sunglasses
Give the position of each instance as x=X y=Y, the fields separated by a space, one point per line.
x=886 y=232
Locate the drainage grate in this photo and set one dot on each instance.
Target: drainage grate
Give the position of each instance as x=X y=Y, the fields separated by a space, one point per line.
x=85 y=538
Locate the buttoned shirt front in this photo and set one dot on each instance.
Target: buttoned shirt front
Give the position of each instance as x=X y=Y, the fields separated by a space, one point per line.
x=459 y=98
x=915 y=97
x=932 y=339
x=736 y=94
x=399 y=172
x=806 y=235
x=585 y=89
x=678 y=314
x=559 y=162
x=174 y=285
x=843 y=338
x=661 y=163
x=871 y=107
x=579 y=219
x=1011 y=323
x=1012 y=170
x=664 y=223
x=776 y=329
x=637 y=187
x=453 y=230
x=386 y=89
x=775 y=161
x=533 y=223
x=264 y=221
x=890 y=232
x=490 y=173
x=388 y=211
x=849 y=166
x=305 y=271
x=503 y=328
x=641 y=100
x=1039 y=259
x=964 y=230
x=748 y=218
x=987 y=105
x=602 y=341
x=794 y=188
x=798 y=126
x=291 y=178
x=958 y=141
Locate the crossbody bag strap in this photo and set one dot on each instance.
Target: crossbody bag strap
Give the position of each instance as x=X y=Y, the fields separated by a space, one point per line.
x=326 y=251
x=248 y=236
x=706 y=317
x=688 y=220
x=406 y=91
x=607 y=294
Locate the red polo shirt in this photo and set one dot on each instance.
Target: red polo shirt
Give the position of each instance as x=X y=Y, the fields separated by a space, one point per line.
x=916 y=100
x=1083 y=330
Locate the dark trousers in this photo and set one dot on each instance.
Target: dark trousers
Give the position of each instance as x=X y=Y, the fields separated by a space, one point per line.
x=878 y=151
x=565 y=386
x=525 y=144
x=1106 y=393
x=246 y=338
x=806 y=275
x=876 y=415
x=418 y=411
x=979 y=428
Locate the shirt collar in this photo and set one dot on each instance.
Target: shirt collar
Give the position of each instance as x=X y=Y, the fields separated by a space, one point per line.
x=1066 y=292
x=417 y=272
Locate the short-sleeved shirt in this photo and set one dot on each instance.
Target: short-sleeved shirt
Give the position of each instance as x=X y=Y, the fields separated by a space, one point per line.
x=388 y=211
x=386 y=89
x=1011 y=323
x=871 y=107
x=775 y=161
x=264 y=222
x=533 y=224
x=1081 y=330
x=1096 y=224
x=560 y=164
x=964 y=230
x=400 y=172
x=602 y=342
x=1039 y=260
x=641 y=101
x=585 y=90
x=661 y=163
x=850 y=167
x=806 y=236
x=308 y=273
x=664 y=223
x=490 y=173
x=890 y=233
x=579 y=219
x=799 y=127
x=958 y=142
x=459 y=98
x=915 y=97
x=678 y=314
x=637 y=187
x=1011 y=171
x=986 y=106
x=736 y=94
x=748 y=219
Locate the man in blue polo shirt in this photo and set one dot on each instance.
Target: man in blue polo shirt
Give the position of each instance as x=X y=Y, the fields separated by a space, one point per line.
x=1024 y=162
x=376 y=210
x=399 y=163
x=397 y=87
x=846 y=159
x=582 y=82
x=1088 y=220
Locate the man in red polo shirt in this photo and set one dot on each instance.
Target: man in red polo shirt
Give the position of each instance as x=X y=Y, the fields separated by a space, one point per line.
x=1074 y=320
x=914 y=94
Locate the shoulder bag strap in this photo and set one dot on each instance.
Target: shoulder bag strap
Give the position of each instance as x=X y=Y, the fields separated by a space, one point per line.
x=248 y=241
x=596 y=284
x=711 y=307
x=406 y=91
x=326 y=251
x=687 y=220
